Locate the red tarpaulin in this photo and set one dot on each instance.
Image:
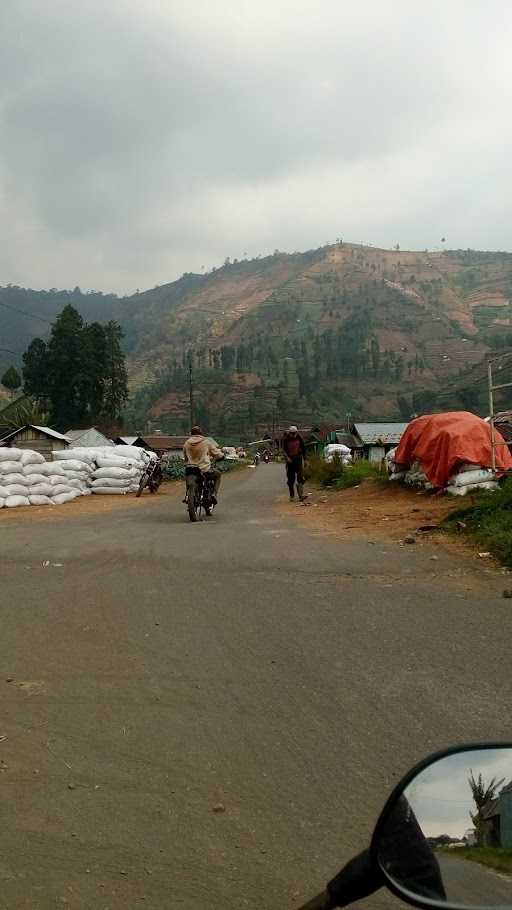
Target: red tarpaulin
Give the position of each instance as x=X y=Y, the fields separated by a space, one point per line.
x=442 y=442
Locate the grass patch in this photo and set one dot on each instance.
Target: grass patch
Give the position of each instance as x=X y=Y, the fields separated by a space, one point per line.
x=336 y=474
x=494 y=857
x=489 y=522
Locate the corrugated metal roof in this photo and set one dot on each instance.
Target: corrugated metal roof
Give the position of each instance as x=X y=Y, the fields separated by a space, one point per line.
x=50 y=432
x=380 y=433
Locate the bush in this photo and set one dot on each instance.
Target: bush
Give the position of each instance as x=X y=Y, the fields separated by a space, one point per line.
x=489 y=521
x=335 y=473
x=174 y=468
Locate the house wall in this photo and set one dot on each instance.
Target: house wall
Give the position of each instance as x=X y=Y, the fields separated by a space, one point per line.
x=506 y=819
x=31 y=439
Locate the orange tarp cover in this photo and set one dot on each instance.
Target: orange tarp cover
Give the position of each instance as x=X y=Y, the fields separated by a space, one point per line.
x=442 y=442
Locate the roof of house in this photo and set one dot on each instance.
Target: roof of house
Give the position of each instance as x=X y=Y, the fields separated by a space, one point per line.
x=128 y=440
x=46 y=431
x=503 y=423
x=379 y=433
x=348 y=439
x=159 y=441
x=491 y=808
x=75 y=435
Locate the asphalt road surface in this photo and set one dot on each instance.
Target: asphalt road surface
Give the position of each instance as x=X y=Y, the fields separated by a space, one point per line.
x=470 y=883
x=210 y=716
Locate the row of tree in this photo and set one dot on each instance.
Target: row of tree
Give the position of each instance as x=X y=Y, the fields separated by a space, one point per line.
x=79 y=375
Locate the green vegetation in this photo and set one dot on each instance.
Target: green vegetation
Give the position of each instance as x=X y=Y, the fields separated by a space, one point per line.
x=336 y=474
x=494 y=857
x=80 y=374
x=174 y=468
x=11 y=379
x=489 y=521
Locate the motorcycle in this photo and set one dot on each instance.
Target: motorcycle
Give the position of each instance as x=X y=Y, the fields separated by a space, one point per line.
x=152 y=475
x=200 y=492
x=420 y=849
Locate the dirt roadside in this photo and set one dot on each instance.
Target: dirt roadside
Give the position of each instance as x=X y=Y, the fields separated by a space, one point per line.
x=376 y=511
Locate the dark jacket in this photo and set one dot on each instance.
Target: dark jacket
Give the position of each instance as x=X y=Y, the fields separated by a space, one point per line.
x=287 y=439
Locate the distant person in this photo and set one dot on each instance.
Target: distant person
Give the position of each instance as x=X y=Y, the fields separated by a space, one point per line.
x=294 y=452
x=201 y=452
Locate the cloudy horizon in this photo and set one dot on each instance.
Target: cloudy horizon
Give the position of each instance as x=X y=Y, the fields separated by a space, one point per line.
x=141 y=141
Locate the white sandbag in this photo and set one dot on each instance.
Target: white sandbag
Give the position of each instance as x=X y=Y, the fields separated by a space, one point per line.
x=17 y=489
x=114 y=461
x=8 y=454
x=74 y=464
x=110 y=490
x=78 y=475
x=398 y=475
x=14 y=502
x=32 y=479
x=3 y=491
x=49 y=468
x=28 y=456
x=491 y=486
x=483 y=475
x=59 y=489
x=59 y=499
x=468 y=467
x=10 y=467
x=111 y=482
x=77 y=485
x=56 y=479
x=2 y=502
x=117 y=472
x=8 y=479
x=40 y=489
x=80 y=453
x=36 y=500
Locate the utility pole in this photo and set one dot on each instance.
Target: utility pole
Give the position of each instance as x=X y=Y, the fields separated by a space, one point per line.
x=190 y=390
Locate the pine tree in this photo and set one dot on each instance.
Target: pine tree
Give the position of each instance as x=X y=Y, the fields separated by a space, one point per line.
x=116 y=378
x=35 y=370
x=92 y=370
x=11 y=379
x=65 y=364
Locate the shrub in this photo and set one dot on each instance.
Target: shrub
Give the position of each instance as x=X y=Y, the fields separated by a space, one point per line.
x=335 y=473
x=489 y=521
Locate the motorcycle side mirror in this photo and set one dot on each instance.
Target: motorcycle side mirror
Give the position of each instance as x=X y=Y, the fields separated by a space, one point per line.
x=444 y=837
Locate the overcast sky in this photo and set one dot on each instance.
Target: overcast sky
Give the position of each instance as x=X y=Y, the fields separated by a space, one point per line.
x=144 y=138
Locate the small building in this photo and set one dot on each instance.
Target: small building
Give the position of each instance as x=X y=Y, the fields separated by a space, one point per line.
x=172 y=446
x=41 y=439
x=376 y=439
x=90 y=437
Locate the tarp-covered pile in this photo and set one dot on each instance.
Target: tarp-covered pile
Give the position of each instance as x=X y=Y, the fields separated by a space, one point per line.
x=26 y=479
x=451 y=451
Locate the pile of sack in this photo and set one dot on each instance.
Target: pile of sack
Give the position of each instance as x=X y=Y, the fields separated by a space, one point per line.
x=111 y=470
x=337 y=450
x=468 y=477
x=26 y=479
x=471 y=477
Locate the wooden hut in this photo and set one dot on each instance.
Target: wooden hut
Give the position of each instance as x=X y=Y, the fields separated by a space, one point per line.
x=40 y=439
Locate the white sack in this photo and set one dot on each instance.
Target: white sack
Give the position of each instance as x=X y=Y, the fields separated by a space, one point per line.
x=491 y=486
x=2 y=502
x=60 y=498
x=483 y=475
x=40 y=500
x=32 y=479
x=17 y=489
x=59 y=489
x=8 y=479
x=8 y=454
x=116 y=472
x=131 y=452
x=75 y=464
x=10 y=467
x=111 y=482
x=116 y=462
x=49 y=468
x=40 y=489
x=3 y=492
x=28 y=456
x=80 y=453
x=13 y=502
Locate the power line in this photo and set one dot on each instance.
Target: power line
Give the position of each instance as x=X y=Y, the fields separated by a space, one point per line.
x=23 y=313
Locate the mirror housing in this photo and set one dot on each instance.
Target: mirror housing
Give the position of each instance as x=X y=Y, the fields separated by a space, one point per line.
x=428 y=868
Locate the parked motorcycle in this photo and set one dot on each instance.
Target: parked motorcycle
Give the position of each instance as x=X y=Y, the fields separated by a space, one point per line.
x=421 y=849
x=152 y=475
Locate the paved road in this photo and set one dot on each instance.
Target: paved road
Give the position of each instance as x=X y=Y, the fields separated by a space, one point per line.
x=167 y=669
x=472 y=884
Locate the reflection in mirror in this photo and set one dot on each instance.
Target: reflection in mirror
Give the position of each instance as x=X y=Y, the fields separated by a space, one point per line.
x=448 y=838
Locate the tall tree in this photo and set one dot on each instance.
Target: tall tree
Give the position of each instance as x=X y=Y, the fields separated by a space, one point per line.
x=116 y=378
x=35 y=370
x=65 y=362
x=11 y=379
x=93 y=363
x=482 y=794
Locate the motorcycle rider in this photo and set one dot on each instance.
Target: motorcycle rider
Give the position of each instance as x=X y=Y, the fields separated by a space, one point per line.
x=294 y=451
x=200 y=452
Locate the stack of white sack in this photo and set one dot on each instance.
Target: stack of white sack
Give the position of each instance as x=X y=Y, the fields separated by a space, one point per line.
x=395 y=471
x=78 y=465
x=415 y=477
x=471 y=477
x=116 y=470
x=26 y=479
x=337 y=450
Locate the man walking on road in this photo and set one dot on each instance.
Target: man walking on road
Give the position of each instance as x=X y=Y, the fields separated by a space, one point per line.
x=294 y=452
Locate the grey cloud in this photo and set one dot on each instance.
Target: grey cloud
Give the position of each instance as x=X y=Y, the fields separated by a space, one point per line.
x=143 y=140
